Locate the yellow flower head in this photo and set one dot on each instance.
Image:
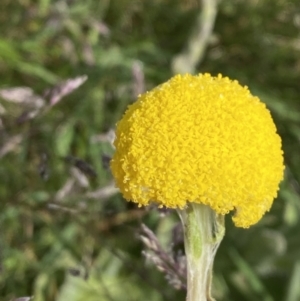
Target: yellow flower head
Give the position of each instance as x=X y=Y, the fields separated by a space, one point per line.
x=199 y=139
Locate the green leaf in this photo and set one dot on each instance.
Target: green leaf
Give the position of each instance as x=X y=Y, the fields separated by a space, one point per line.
x=64 y=138
x=293 y=293
x=38 y=71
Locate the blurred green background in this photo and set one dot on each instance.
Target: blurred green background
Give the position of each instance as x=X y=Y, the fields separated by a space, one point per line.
x=66 y=234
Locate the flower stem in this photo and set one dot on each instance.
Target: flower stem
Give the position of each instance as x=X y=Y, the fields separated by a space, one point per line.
x=203 y=232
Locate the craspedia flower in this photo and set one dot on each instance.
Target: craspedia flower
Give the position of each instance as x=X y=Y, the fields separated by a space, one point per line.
x=199 y=139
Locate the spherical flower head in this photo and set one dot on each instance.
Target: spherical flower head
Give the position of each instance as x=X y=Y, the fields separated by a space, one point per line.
x=199 y=139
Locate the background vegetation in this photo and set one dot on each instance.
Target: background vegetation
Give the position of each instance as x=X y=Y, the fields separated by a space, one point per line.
x=66 y=234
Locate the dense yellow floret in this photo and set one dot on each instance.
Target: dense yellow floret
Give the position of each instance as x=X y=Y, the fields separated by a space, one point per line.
x=199 y=139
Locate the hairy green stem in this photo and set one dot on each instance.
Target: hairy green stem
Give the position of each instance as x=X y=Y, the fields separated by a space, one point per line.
x=203 y=232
